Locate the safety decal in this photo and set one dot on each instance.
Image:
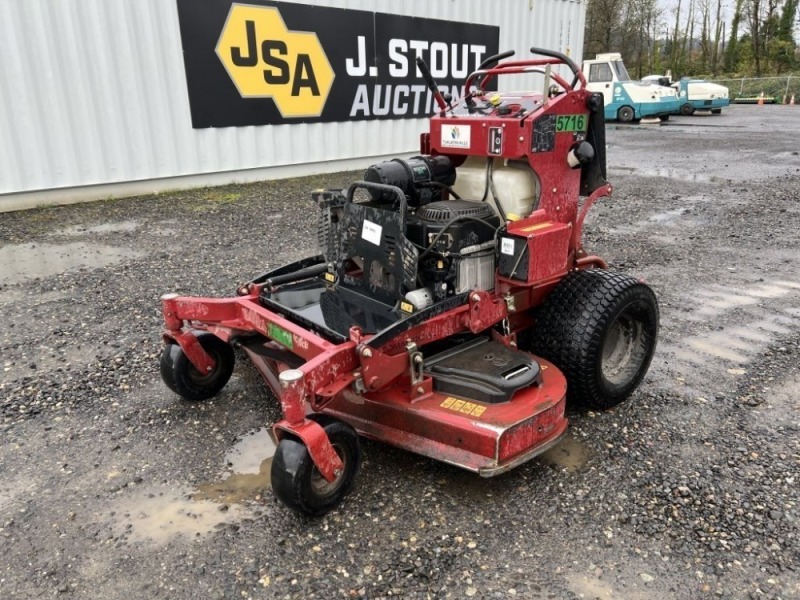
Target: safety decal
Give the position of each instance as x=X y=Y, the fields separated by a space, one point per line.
x=462 y=406
x=280 y=335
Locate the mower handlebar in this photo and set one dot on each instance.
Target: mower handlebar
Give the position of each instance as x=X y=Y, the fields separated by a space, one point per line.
x=489 y=68
x=566 y=60
x=496 y=58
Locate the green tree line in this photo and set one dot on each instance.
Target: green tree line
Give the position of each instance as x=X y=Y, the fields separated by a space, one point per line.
x=751 y=38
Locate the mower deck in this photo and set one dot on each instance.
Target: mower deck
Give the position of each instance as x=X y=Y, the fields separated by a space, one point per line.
x=488 y=439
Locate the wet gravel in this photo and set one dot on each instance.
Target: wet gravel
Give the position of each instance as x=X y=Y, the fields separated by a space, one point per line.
x=689 y=490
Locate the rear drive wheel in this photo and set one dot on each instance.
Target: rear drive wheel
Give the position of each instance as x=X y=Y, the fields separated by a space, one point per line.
x=663 y=118
x=181 y=377
x=298 y=483
x=600 y=329
x=687 y=110
x=625 y=114
x=716 y=111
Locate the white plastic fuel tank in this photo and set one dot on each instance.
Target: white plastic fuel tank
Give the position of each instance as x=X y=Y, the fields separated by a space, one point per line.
x=516 y=184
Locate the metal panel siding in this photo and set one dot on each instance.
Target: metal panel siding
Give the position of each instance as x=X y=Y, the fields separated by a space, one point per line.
x=94 y=92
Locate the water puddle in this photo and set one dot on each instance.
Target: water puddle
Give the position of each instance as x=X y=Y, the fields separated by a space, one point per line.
x=569 y=454
x=250 y=461
x=667 y=174
x=21 y=262
x=161 y=517
x=120 y=227
x=669 y=215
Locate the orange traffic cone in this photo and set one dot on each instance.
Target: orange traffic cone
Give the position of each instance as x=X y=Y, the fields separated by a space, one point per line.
x=761 y=99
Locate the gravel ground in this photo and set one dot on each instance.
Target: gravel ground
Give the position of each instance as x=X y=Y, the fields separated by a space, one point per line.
x=113 y=487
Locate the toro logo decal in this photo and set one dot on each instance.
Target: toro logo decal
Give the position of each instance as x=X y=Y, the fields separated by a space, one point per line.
x=264 y=59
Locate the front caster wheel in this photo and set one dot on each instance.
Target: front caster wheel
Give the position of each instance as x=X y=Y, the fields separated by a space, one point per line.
x=181 y=377
x=298 y=483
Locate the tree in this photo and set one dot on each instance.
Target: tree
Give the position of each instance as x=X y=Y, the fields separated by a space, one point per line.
x=732 y=51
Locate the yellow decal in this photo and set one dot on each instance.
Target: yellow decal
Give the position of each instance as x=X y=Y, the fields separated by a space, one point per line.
x=536 y=227
x=466 y=408
x=330 y=277
x=266 y=60
x=406 y=307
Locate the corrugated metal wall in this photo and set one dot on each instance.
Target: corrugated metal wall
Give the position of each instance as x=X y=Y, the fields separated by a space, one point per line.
x=94 y=92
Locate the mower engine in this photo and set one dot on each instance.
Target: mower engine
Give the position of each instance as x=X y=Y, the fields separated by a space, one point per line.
x=454 y=237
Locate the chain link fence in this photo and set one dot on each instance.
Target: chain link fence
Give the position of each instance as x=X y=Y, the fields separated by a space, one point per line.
x=780 y=89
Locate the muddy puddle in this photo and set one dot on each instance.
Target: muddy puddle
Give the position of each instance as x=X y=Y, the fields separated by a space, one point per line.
x=569 y=454
x=250 y=461
x=158 y=517
x=21 y=262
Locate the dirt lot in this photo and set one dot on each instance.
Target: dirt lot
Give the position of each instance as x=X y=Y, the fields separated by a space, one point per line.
x=113 y=487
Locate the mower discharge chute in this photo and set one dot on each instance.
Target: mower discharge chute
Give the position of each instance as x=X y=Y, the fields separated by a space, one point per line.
x=452 y=311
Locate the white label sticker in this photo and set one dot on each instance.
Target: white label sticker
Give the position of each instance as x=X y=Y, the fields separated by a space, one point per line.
x=456 y=136
x=371 y=232
x=507 y=246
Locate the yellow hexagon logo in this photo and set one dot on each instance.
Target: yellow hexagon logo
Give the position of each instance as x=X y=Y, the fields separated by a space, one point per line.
x=266 y=60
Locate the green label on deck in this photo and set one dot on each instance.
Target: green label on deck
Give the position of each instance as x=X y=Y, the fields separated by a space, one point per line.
x=566 y=123
x=280 y=335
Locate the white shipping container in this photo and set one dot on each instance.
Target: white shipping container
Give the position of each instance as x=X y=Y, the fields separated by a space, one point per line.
x=94 y=101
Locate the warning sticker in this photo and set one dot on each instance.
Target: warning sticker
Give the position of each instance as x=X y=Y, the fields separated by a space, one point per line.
x=507 y=246
x=371 y=232
x=461 y=406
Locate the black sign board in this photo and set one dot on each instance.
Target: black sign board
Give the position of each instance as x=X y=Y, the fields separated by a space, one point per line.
x=269 y=62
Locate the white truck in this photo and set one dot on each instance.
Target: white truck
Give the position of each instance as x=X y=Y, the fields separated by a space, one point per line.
x=701 y=95
x=626 y=100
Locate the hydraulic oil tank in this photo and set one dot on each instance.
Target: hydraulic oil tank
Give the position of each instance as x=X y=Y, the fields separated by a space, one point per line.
x=517 y=185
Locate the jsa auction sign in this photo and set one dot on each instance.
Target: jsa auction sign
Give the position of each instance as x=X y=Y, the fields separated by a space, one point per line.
x=266 y=62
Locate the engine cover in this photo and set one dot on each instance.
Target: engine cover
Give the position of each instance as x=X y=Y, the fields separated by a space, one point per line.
x=457 y=237
x=447 y=218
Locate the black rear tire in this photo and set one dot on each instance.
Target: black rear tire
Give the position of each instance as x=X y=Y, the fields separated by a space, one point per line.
x=663 y=118
x=625 y=114
x=181 y=377
x=716 y=111
x=687 y=110
x=298 y=483
x=599 y=328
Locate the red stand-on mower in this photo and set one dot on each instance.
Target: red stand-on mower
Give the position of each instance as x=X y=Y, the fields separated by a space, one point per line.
x=452 y=311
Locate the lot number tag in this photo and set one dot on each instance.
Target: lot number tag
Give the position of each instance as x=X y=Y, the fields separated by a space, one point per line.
x=371 y=232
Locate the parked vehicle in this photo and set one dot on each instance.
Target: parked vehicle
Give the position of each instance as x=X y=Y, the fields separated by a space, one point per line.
x=701 y=95
x=695 y=94
x=626 y=100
